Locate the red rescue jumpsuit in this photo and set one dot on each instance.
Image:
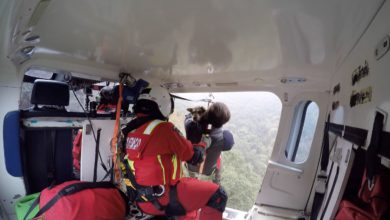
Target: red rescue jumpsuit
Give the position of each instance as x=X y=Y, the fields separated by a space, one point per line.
x=155 y=152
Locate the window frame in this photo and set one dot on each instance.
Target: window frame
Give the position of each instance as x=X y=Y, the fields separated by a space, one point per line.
x=297 y=125
x=302 y=122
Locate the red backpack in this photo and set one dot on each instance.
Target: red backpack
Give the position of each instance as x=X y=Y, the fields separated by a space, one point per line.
x=81 y=200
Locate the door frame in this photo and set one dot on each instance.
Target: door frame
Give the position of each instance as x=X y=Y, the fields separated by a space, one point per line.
x=287 y=184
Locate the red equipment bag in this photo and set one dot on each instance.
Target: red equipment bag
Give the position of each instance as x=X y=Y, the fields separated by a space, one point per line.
x=378 y=195
x=349 y=211
x=81 y=200
x=376 y=200
x=374 y=192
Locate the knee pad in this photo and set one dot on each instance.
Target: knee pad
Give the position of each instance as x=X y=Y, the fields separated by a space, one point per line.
x=218 y=200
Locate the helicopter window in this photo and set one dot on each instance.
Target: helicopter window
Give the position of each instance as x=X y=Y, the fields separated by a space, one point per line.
x=302 y=131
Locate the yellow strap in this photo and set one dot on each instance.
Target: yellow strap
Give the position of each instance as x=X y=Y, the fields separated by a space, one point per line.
x=174 y=162
x=152 y=125
x=131 y=165
x=128 y=183
x=162 y=167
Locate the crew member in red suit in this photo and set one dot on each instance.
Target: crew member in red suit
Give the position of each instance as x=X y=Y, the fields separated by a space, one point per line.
x=155 y=149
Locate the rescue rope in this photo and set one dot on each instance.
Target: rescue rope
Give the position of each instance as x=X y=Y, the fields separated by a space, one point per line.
x=116 y=137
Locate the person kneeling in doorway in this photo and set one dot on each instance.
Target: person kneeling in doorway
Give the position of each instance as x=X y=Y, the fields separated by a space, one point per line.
x=219 y=140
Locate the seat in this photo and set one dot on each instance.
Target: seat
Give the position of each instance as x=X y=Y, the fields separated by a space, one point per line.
x=50 y=93
x=47 y=151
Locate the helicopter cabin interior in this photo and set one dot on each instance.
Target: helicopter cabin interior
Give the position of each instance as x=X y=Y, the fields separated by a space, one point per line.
x=330 y=56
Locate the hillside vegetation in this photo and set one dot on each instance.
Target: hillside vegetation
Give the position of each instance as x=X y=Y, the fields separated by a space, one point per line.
x=254 y=124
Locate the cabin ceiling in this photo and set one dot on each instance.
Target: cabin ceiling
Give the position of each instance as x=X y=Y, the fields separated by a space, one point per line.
x=202 y=43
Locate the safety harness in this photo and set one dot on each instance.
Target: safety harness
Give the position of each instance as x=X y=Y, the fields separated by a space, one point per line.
x=139 y=193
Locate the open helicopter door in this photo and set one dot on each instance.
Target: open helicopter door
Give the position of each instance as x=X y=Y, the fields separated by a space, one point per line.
x=291 y=170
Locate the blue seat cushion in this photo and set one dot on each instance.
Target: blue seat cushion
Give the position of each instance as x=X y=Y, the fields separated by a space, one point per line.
x=11 y=138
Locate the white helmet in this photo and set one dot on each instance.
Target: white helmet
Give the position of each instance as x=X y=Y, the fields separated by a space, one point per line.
x=161 y=97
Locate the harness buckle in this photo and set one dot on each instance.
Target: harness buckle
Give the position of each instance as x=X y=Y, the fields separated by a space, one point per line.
x=161 y=191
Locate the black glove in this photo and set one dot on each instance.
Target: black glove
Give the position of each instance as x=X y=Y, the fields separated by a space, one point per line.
x=198 y=156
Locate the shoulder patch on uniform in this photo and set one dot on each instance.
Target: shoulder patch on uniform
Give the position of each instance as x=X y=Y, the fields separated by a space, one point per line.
x=175 y=129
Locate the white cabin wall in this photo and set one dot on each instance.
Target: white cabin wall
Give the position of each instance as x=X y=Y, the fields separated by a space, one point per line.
x=11 y=188
x=379 y=75
x=362 y=115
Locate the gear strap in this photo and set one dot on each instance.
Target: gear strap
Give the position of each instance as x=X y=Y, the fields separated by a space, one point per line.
x=140 y=193
x=174 y=207
x=116 y=136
